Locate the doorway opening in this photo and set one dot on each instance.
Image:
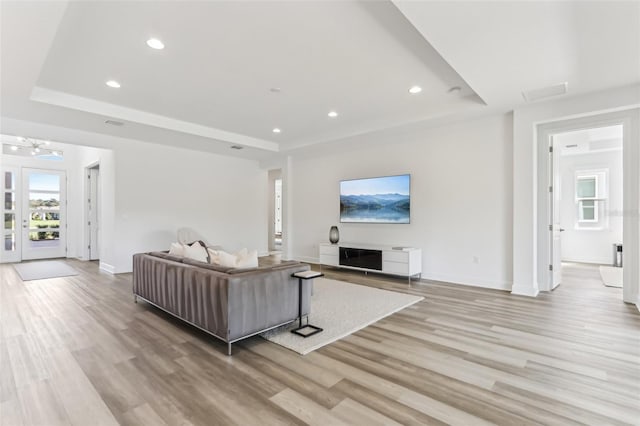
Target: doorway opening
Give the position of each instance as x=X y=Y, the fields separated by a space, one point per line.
x=587 y=205
x=275 y=197
x=591 y=192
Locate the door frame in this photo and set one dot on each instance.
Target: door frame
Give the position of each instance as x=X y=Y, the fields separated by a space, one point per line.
x=86 y=251
x=273 y=175
x=630 y=121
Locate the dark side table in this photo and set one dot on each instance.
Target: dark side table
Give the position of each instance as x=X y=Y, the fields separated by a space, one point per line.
x=305 y=330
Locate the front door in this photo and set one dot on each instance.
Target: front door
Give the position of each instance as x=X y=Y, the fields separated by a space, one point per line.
x=43 y=214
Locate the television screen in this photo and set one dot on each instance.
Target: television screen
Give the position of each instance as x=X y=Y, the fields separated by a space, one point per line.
x=375 y=200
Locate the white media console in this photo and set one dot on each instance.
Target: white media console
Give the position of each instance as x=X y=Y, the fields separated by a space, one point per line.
x=403 y=261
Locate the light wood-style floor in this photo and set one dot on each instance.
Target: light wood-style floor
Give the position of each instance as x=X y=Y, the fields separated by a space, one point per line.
x=77 y=350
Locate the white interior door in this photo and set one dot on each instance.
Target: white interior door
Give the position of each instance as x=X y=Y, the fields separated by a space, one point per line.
x=94 y=218
x=555 y=195
x=43 y=214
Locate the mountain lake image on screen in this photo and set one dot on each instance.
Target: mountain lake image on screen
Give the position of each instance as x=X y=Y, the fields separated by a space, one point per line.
x=384 y=199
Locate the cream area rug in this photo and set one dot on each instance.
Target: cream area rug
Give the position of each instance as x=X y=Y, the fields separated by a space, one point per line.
x=340 y=308
x=611 y=276
x=43 y=269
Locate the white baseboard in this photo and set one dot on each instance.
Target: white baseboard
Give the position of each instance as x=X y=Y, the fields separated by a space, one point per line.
x=591 y=262
x=469 y=281
x=110 y=269
x=524 y=290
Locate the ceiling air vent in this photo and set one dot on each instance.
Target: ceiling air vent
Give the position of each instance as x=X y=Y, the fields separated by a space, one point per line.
x=545 y=92
x=237 y=147
x=114 y=123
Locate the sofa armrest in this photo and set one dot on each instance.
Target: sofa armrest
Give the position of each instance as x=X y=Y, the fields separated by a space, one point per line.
x=264 y=299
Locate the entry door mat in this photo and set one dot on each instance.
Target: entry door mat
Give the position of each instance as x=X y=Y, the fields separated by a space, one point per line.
x=44 y=269
x=340 y=308
x=611 y=276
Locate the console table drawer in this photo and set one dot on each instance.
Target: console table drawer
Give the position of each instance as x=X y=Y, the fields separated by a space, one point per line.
x=396 y=256
x=329 y=250
x=327 y=259
x=395 y=268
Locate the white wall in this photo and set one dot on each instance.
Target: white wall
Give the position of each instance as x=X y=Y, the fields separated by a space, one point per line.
x=461 y=198
x=158 y=189
x=161 y=189
x=591 y=245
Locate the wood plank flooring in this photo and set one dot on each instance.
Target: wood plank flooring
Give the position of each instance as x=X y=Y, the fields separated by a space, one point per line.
x=77 y=350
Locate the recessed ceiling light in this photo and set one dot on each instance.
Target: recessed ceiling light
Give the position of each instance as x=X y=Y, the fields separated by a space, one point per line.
x=454 y=89
x=37 y=150
x=113 y=83
x=14 y=148
x=20 y=138
x=47 y=142
x=276 y=130
x=33 y=153
x=415 y=89
x=55 y=153
x=332 y=114
x=154 y=43
x=275 y=90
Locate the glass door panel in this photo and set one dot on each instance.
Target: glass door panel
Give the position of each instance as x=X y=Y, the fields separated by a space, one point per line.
x=9 y=210
x=44 y=214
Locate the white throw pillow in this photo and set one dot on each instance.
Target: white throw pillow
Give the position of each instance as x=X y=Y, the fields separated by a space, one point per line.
x=214 y=257
x=196 y=252
x=222 y=258
x=241 y=259
x=247 y=259
x=176 y=249
x=213 y=254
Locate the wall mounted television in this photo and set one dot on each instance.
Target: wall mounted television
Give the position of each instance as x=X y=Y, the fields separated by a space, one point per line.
x=385 y=199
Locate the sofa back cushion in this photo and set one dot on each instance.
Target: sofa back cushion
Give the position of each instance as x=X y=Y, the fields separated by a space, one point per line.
x=166 y=255
x=205 y=265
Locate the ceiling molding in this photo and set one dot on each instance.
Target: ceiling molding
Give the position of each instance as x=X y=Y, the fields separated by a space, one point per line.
x=53 y=97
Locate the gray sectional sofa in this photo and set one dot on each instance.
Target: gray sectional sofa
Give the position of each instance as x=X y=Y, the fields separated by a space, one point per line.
x=230 y=304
